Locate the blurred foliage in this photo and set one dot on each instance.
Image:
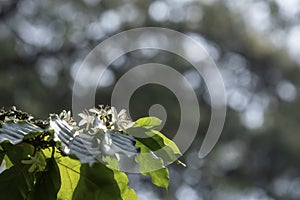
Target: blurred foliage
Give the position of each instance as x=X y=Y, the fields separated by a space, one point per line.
x=255 y=44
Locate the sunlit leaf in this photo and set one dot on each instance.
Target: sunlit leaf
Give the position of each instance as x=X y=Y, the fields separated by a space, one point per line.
x=153 y=166
x=99 y=182
x=148 y=122
x=166 y=141
x=156 y=142
x=70 y=172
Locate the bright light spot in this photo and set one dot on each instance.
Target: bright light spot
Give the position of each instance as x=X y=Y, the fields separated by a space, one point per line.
x=258 y=16
x=159 y=11
x=238 y=99
x=281 y=186
x=253 y=117
x=48 y=70
x=146 y=195
x=289 y=8
x=286 y=91
x=107 y=79
x=27 y=8
x=209 y=47
x=192 y=176
x=129 y=13
x=186 y=191
x=230 y=155
x=110 y=21
x=193 y=78
x=293 y=41
x=192 y=52
x=95 y=31
x=294 y=188
x=249 y=194
x=39 y=35
x=287 y=187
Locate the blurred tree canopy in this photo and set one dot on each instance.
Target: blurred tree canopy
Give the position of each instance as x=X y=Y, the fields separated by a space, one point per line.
x=255 y=44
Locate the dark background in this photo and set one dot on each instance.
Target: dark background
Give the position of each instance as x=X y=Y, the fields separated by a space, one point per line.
x=256 y=45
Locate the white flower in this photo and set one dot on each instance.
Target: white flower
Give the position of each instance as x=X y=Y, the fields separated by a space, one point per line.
x=99 y=124
x=121 y=120
x=86 y=119
x=66 y=116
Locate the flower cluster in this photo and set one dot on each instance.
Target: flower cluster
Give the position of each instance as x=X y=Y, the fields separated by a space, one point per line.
x=99 y=119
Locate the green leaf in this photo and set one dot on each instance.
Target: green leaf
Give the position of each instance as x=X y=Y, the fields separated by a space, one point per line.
x=48 y=184
x=17 y=153
x=99 y=182
x=8 y=163
x=148 y=122
x=156 y=142
x=13 y=184
x=166 y=141
x=2 y=154
x=153 y=166
x=112 y=162
x=70 y=172
x=160 y=177
x=127 y=193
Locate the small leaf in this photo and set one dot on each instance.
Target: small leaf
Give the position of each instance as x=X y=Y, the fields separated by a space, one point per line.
x=8 y=163
x=148 y=122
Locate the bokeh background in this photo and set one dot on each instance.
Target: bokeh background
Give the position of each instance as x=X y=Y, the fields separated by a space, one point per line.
x=255 y=43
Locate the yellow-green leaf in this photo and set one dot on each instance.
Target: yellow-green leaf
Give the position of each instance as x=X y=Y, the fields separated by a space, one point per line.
x=148 y=122
x=70 y=172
